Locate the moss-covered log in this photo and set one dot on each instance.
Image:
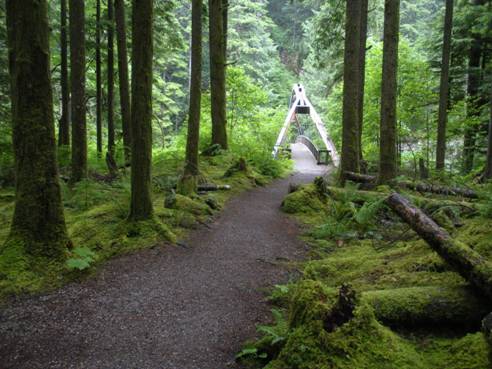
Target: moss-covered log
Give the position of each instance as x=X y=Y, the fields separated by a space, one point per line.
x=367 y=179
x=424 y=306
x=467 y=262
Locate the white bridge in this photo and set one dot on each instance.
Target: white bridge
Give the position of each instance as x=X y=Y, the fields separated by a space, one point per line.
x=300 y=104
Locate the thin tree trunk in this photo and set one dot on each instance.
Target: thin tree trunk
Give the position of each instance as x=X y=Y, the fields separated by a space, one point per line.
x=444 y=87
x=362 y=73
x=64 y=127
x=141 y=110
x=387 y=156
x=191 y=167
x=217 y=73
x=351 y=80
x=488 y=165
x=123 y=76
x=38 y=222
x=77 y=78
x=110 y=79
x=98 y=80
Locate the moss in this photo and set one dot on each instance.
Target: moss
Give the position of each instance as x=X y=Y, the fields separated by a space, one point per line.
x=306 y=199
x=477 y=233
x=187 y=185
x=189 y=205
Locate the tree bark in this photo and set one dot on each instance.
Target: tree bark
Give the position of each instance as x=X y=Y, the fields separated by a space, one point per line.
x=38 y=222
x=488 y=164
x=468 y=263
x=64 y=127
x=473 y=98
x=110 y=34
x=98 y=80
x=77 y=79
x=217 y=73
x=362 y=74
x=123 y=76
x=191 y=165
x=351 y=80
x=444 y=87
x=141 y=110
x=387 y=156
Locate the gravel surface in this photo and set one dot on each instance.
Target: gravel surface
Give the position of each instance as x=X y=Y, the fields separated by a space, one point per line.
x=170 y=307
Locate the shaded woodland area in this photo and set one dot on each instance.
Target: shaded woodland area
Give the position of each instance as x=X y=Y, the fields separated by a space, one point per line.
x=127 y=125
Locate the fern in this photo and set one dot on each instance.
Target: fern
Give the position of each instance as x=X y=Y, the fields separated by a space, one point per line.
x=81 y=259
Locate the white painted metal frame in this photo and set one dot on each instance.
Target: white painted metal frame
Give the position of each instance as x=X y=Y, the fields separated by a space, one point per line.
x=299 y=98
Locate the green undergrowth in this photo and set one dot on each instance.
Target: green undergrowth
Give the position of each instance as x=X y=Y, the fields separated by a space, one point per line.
x=410 y=306
x=96 y=213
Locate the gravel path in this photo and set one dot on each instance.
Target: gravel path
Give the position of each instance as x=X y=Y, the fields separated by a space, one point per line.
x=168 y=307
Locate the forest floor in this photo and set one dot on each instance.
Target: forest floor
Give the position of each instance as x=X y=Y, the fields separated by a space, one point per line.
x=184 y=307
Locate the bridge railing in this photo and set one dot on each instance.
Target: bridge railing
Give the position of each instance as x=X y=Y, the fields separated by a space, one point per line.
x=322 y=156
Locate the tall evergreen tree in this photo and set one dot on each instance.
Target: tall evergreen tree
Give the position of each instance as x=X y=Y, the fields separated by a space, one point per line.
x=362 y=73
x=123 y=75
x=488 y=162
x=64 y=126
x=387 y=154
x=217 y=72
x=350 y=152
x=98 y=80
x=38 y=221
x=142 y=54
x=188 y=181
x=444 y=87
x=473 y=96
x=77 y=84
x=110 y=34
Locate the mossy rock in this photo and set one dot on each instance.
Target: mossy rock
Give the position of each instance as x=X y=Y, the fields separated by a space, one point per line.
x=187 y=204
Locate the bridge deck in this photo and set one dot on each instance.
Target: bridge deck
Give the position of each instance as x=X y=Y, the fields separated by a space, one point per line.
x=304 y=161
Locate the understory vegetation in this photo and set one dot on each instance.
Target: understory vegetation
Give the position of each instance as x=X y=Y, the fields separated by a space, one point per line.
x=410 y=308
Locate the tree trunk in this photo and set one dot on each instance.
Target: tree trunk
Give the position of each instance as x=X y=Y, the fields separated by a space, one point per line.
x=488 y=165
x=123 y=76
x=191 y=166
x=387 y=156
x=444 y=87
x=217 y=73
x=64 y=127
x=141 y=110
x=467 y=262
x=77 y=79
x=110 y=79
x=473 y=97
x=362 y=74
x=38 y=222
x=98 y=80
x=350 y=152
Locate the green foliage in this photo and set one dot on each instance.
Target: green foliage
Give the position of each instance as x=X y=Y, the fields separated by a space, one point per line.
x=80 y=258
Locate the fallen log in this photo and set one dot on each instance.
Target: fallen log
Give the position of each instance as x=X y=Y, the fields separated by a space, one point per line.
x=468 y=263
x=431 y=305
x=205 y=187
x=414 y=186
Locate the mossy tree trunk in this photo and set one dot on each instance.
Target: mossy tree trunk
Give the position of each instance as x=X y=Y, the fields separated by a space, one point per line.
x=38 y=221
x=351 y=80
x=444 y=87
x=188 y=181
x=110 y=34
x=488 y=164
x=123 y=76
x=141 y=110
x=217 y=73
x=64 y=126
x=77 y=82
x=387 y=155
x=362 y=73
x=98 y=80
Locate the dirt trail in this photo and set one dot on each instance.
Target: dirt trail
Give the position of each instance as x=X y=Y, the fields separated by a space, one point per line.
x=168 y=307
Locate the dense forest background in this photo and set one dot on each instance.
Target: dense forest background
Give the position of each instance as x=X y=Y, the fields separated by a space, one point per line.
x=273 y=44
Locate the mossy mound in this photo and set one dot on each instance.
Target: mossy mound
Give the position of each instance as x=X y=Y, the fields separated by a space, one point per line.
x=306 y=199
x=188 y=205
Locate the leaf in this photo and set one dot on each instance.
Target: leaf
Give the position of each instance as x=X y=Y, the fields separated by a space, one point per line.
x=247 y=351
